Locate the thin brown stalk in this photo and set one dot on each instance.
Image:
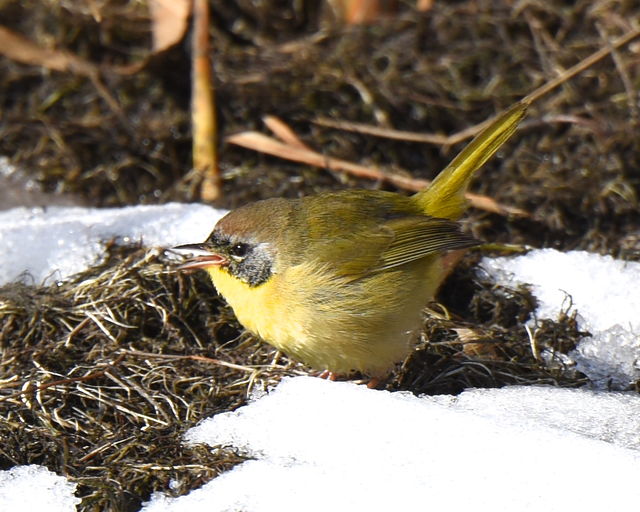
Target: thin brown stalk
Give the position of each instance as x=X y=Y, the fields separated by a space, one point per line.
x=203 y=115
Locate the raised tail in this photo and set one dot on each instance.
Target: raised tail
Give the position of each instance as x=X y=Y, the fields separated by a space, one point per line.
x=444 y=198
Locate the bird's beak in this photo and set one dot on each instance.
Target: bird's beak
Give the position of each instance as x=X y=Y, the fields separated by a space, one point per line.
x=202 y=258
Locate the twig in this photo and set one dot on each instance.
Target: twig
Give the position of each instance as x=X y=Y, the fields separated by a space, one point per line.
x=389 y=133
x=581 y=66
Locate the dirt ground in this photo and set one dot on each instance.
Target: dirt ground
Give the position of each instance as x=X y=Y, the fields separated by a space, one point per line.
x=109 y=411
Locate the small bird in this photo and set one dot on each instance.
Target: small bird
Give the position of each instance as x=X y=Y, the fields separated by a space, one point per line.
x=338 y=280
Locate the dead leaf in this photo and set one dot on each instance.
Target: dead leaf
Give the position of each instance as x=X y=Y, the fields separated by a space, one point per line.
x=168 y=22
x=284 y=132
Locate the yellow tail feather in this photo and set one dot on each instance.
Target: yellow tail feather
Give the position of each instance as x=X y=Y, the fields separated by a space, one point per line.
x=444 y=198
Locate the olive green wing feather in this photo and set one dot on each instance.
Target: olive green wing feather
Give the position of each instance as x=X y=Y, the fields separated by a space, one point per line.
x=391 y=244
x=417 y=237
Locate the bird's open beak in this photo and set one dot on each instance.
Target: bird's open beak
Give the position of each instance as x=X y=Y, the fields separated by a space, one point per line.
x=202 y=258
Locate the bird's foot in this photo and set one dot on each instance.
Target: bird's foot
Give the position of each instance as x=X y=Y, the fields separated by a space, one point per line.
x=373 y=383
x=326 y=374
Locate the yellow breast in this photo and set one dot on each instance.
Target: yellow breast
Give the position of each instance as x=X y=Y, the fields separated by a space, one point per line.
x=331 y=324
x=261 y=310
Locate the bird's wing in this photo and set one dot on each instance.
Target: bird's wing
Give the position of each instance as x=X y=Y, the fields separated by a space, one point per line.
x=391 y=244
x=418 y=236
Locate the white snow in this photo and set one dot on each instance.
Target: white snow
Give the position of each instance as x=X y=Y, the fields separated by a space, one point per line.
x=604 y=292
x=53 y=243
x=338 y=446
x=35 y=488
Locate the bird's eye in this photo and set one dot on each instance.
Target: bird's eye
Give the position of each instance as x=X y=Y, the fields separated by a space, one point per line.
x=239 y=250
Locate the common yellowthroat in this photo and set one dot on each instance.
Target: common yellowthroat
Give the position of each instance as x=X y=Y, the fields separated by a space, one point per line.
x=338 y=280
